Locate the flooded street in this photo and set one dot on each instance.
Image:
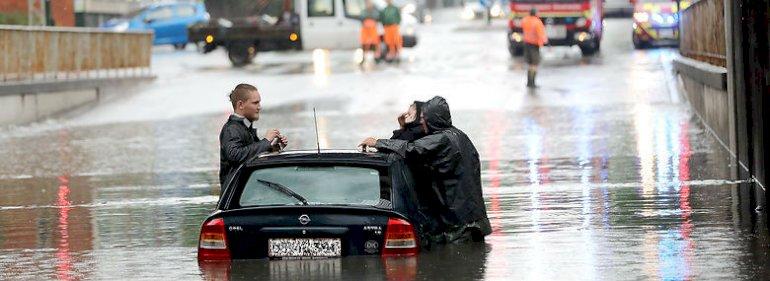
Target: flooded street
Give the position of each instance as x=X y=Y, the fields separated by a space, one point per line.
x=601 y=174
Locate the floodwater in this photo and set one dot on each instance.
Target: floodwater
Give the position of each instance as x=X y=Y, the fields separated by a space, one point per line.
x=601 y=174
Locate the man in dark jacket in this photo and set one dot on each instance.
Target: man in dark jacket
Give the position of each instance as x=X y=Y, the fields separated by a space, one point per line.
x=455 y=170
x=411 y=130
x=238 y=140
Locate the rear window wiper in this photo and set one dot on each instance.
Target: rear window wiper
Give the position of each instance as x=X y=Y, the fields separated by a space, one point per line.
x=285 y=190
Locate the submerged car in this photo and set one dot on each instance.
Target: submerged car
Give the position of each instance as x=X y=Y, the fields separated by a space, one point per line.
x=168 y=21
x=656 y=23
x=311 y=204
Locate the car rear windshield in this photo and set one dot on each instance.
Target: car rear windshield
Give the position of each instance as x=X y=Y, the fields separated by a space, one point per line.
x=318 y=185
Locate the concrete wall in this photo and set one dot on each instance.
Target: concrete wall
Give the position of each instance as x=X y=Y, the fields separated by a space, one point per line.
x=25 y=108
x=33 y=102
x=711 y=105
x=705 y=88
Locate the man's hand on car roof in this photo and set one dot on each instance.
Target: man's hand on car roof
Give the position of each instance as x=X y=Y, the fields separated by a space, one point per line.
x=369 y=142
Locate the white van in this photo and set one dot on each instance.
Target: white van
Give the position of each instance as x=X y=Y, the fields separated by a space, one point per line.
x=335 y=24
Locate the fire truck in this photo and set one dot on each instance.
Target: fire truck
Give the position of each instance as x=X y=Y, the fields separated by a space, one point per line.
x=567 y=23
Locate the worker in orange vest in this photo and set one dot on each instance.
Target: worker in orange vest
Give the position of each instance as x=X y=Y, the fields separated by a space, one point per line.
x=370 y=37
x=390 y=17
x=534 y=38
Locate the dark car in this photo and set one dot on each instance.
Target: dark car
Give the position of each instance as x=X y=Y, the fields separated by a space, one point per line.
x=306 y=204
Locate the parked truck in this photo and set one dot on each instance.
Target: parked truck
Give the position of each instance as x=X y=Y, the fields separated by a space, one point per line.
x=246 y=27
x=567 y=23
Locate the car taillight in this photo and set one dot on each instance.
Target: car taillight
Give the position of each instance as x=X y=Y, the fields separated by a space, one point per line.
x=400 y=239
x=213 y=241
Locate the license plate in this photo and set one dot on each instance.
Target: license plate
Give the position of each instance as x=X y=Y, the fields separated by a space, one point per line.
x=556 y=31
x=666 y=33
x=304 y=247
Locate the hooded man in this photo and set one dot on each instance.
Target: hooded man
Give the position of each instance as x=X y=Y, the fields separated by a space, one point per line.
x=454 y=169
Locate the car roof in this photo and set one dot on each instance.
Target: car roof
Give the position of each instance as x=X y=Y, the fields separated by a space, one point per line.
x=349 y=156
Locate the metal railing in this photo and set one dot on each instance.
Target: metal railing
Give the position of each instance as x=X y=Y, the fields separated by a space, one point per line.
x=31 y=54
x=703 y=32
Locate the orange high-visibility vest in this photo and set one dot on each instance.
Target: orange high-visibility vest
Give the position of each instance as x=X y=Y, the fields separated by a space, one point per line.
x=534 y=31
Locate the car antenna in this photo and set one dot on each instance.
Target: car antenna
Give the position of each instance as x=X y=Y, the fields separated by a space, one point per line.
x=317 y=142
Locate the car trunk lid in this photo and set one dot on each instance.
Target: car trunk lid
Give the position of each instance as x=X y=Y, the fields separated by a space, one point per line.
x=306 y=231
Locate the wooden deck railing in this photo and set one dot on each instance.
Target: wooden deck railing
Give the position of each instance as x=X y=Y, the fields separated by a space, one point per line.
x=703 y=32
x=53 y=53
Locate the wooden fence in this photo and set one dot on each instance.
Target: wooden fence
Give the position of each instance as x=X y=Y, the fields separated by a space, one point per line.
x=53 y=53
x=703 y=32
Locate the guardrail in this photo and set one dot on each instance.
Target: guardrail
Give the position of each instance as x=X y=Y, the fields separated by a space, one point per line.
x=703 y=32
x=31 y=54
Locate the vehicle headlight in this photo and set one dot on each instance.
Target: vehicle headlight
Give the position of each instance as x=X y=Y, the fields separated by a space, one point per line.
x=658 y=18
x=581 y=22
x=409 y=8
x=123 y=26
x=671 y=19
x=641 y=17
x=582 y=36
x=496 y=10
x=468 y=13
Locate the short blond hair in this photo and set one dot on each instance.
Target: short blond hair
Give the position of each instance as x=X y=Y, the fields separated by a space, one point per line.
x=241 y=93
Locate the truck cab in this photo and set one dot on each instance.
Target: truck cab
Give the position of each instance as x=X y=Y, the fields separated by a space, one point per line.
x=567 y=23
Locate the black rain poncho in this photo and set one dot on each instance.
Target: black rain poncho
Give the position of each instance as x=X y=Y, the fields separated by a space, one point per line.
x=455 y=169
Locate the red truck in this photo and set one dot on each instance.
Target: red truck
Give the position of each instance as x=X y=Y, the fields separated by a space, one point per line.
x=567 y=23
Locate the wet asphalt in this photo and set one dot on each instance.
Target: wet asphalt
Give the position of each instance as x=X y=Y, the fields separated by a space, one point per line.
x=603 y=173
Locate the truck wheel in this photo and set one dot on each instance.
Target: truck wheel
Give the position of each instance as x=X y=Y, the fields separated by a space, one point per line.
x=180 y=46
x=241 y=54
